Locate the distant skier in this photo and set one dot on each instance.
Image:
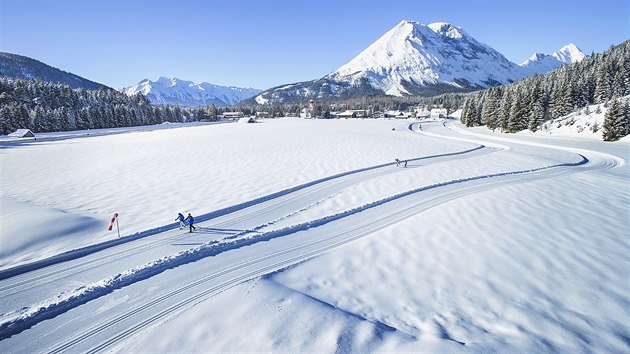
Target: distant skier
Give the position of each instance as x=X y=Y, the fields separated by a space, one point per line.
x=180 y=217
x=190 y=220
x=397 y=162
x=405 y=163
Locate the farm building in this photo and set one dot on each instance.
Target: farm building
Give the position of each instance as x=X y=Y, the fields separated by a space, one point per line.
x=22 y=133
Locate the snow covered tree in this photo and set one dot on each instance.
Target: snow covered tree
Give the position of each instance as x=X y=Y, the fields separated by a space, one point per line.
x=536 y=116
x=490 y=113
x=517 y=120
x=602 y=80
x=38 y=119
x=472 y=118
x=6 y=120
x=616 y=121
x=504 y=112
x=532 y=101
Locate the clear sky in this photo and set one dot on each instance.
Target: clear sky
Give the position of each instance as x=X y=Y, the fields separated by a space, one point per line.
x=265 y=43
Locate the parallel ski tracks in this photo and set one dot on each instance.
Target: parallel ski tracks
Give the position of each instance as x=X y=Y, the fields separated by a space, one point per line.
x=235 y=219
x=97 y=338
x=309 y=249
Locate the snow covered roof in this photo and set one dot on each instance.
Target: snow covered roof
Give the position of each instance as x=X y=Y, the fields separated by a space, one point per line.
x=22 y=133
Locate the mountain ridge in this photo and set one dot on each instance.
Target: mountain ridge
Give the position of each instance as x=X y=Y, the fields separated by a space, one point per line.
x=188 y=93
x=22 y=67
x=411 y=59
x=540 y=63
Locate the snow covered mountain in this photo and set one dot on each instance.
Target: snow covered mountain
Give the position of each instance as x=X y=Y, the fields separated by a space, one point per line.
x=410 y=59
x=541 y=63
x=188 y=93
x=21 y=67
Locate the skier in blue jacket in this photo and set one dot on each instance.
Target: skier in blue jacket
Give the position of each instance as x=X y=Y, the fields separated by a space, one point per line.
x=180 y=217
x=190 y=221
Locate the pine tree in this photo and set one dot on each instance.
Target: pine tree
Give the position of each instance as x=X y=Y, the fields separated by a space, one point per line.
x=83 y=120
x=517 y=119
x=616 y=121
x=490 y=114
x=625 y=68
x=602 y=80
x=471 y=114
x=504 y=112
x=6 y=124
x=536 y=116
x=38 y=120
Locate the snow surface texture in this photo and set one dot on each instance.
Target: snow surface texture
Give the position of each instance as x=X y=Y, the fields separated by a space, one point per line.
x=480 y=244
x=148 y=177
x=187 y=93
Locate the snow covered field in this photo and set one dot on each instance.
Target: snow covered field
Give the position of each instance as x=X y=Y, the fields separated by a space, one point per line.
x=311 y=239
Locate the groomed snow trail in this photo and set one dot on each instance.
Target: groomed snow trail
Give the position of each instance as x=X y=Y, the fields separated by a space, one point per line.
x=22 y=290
x=165 y=280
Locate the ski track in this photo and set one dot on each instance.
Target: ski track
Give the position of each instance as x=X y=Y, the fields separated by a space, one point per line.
x=270 y=204
x=23 y=319
x=85 y=251
x=236 y=216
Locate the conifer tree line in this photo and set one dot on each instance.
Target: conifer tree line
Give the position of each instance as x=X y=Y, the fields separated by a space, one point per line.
x=599 y=79
x=44 y=107
x=324 y=108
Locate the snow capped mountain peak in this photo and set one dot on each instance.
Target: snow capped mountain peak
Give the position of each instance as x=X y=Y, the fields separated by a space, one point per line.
x=417 y=59
x=165 y=80
x=188 y=93
x=570 y=53
x=535 y=57
x=412 y=54
x=539 y=62
x=446 y=29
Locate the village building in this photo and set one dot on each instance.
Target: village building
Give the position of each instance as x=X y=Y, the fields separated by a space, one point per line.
x=422 y=112
x=439 y=113
x=353 y=113
x=233 y=115
x=397 y=114
x=308 y=112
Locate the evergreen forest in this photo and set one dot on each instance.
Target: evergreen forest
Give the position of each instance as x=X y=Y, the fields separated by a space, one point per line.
x=527 y=104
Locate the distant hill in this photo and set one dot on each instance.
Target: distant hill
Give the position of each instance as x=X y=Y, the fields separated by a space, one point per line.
x=21 y=67
x=187 y=93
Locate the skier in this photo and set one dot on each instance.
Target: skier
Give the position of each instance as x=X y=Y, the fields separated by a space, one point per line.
x=397 y=162
x=405 y=163
x=190 y=221
x=180 y=217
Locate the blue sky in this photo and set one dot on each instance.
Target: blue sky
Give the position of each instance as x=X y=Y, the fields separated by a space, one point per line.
x=264 y=43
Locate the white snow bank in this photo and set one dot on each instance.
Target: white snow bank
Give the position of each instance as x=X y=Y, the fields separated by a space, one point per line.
x=30 y=231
